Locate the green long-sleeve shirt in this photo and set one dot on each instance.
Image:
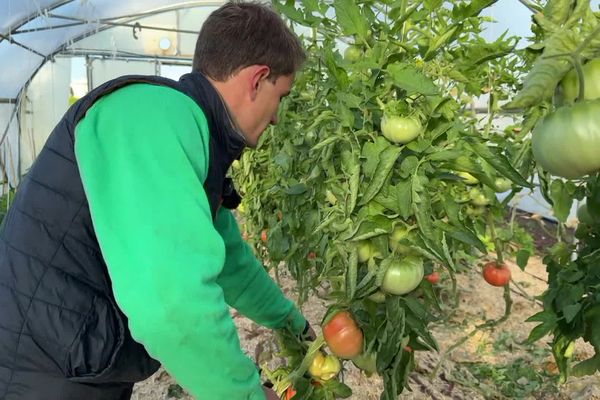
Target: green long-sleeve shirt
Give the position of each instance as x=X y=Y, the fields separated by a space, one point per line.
x=143 y=154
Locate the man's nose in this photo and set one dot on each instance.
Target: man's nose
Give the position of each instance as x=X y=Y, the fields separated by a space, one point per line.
x=274 y=119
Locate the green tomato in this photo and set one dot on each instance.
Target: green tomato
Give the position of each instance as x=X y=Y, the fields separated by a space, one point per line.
x=377 y=297
x=478 y=198
x=567 y=142
x=399 y=234
x=400 y=130
x=569 y=87
x=366 y=251
x=475 y=211
x=403 y=275
x=353 y=54
x=502 y=184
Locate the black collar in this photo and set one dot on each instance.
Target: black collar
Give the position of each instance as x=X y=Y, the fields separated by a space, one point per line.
x=220 y=123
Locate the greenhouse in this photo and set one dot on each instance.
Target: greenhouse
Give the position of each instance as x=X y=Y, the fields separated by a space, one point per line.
x=427 y=194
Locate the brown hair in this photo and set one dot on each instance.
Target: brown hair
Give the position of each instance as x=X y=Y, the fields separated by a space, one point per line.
x=240 y=34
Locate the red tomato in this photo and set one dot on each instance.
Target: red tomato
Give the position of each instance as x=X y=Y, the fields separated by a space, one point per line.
x=343 y=336
x=496 y=274
x=289 y=393
x=312 y=255
x=433 y=277
x=263 y=236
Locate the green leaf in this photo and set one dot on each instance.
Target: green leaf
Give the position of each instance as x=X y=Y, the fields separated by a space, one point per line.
x=411 y=79
x=387 y=160
x=587 y=367
x=561 y=198
x=298 y=188
x=548 y=324
x=571 y=311
x=462 y=234
x=404 y=196
x=371 y=152
x=392 y=334
x=494 y=156
x=340 y=389
x=433 y=4
x=349 y=18
x=523 y=258
x=290 y=11
x=547 y=71
x=441 y=41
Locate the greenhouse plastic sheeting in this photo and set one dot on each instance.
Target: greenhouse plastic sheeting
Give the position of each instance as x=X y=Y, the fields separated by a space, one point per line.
x=23 y=51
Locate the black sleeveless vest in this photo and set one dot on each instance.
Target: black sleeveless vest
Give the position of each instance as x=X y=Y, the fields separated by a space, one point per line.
x=58 y=314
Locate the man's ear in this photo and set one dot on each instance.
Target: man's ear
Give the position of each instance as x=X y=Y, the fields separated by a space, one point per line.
x=258 y=76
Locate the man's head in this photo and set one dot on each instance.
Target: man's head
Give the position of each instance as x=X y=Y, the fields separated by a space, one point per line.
x=251 y=56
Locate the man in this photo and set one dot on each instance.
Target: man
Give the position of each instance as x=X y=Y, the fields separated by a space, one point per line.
x=117 y=251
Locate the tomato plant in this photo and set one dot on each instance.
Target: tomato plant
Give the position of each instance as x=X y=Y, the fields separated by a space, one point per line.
x=343 y=336
x=564 y=138
x=378 y=204
x=496 y=274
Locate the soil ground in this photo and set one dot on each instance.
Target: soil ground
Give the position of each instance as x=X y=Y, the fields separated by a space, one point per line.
x=491 y=364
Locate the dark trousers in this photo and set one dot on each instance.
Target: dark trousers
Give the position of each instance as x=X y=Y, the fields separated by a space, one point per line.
x=36 y=386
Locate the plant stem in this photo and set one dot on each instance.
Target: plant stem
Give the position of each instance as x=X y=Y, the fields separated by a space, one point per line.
x=496 y=239
x=529 y=6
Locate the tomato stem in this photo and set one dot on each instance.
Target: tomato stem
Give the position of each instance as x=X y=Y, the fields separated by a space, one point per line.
x=497 y=242
x=577 y=65
x=308 y=358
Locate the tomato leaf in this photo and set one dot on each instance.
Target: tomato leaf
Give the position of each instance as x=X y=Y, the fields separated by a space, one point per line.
x=587 y=367
x=494 y=156
x=391 y=336
x=411 y=79
x=461 y=234
x=371 y=152
x=350 y=19
x=352 y=273
x=338 y=388
x=562 y=199
x=548 y=70
x=523 y=258
x=296 y=189
x=387 y=160
x=548 y=323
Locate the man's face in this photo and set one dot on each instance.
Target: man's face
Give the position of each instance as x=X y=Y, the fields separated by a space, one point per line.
x=264 y=107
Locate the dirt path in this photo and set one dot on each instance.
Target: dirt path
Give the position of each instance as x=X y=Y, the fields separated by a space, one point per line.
x=487 y=366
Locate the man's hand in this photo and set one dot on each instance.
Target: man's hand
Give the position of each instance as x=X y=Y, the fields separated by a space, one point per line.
x=270 y=394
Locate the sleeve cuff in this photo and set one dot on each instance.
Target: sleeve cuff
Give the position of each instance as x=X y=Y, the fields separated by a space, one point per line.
x=297 y=321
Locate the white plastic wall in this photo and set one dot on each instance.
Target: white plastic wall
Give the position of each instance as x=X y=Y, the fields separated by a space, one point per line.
x=9 y=150
x=44 y=103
